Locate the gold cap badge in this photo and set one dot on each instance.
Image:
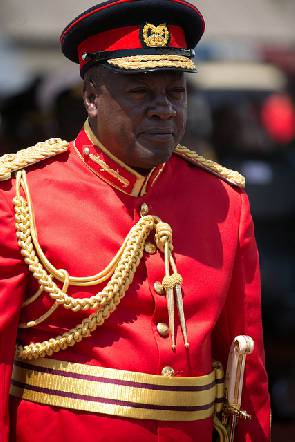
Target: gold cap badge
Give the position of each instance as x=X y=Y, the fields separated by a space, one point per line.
x=155 y=36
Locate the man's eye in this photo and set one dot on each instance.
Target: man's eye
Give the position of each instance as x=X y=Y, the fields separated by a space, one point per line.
x=138 y=91
x=177 y=92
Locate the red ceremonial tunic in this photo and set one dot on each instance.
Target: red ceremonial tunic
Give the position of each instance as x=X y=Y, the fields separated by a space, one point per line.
x=84 y=209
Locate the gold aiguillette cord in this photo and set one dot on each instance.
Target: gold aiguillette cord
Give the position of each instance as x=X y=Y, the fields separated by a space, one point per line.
x=171 y=283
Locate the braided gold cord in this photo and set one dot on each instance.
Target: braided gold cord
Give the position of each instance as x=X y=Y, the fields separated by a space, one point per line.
x=33 y=298
x=134 y=241
x=68 y=339
x=42 y=318
x=232 y=176
x=49 y=312
x=123 y=268
x=12 y=162
x=122 y=280
x=120 y=272
x=163 y=235
x=59 y=274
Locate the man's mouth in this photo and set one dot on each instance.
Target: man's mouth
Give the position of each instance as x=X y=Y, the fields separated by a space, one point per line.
x=159 y=134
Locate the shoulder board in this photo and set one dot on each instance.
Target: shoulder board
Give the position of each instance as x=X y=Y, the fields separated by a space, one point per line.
x=25 y=157
x=228 y=175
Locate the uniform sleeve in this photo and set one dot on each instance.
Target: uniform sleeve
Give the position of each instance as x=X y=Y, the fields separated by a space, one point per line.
x=242 y=315
x=12 y=283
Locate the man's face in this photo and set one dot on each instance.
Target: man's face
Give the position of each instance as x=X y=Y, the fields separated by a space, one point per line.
x=140 y=118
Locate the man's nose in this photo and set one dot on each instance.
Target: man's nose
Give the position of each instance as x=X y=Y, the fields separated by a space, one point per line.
x=161 y=108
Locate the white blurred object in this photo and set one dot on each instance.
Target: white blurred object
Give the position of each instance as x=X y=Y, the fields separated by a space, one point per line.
x=15 y=74
x=239 y=76
x=43 y=20
x=263 y=20
x=55 y=82
x=255 y=20
x=257 y=172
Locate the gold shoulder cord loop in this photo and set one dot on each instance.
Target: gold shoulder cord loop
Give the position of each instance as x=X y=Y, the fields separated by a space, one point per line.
x=120 y=272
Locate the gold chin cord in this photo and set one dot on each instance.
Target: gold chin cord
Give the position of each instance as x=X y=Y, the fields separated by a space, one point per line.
x=118 y=275
x=234 y=379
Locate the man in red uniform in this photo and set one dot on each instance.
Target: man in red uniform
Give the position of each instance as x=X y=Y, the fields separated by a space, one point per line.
x=128 y=263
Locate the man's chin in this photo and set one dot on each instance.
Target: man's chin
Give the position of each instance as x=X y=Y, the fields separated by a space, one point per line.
x=152 y=155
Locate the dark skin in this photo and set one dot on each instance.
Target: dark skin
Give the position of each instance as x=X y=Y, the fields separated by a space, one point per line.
x=141 y=117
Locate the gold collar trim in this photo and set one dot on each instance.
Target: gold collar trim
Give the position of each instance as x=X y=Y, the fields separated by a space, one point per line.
x=104 y=164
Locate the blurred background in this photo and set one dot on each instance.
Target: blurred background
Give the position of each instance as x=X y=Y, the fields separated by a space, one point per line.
x=242 y=113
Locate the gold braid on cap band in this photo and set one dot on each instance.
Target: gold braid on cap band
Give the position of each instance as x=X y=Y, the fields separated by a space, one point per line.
x=137 y=62
x=120 y=272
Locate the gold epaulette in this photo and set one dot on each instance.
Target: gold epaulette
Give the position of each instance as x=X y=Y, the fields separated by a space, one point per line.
x=25 y=157
x=231 y=176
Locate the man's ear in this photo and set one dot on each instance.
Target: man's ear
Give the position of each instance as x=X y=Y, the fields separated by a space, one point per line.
x=90 y=95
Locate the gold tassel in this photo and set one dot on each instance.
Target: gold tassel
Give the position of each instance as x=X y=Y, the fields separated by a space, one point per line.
x=171 y=283
x=221 y=430
x=170 y=305
x=179 y=302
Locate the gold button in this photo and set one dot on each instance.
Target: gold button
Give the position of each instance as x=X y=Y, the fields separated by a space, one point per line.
x=144 y=209
x=168 y=372
x=86 y=151
x=150 y=248
x=159 y=288
x=163 y=329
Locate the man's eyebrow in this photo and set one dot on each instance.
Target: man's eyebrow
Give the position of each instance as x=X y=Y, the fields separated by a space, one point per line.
x=137 y=82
